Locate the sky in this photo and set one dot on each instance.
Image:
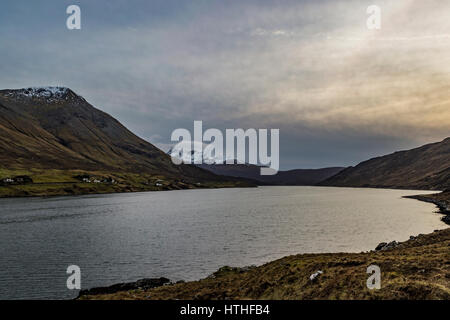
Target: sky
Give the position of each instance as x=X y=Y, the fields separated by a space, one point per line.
x=339 y=92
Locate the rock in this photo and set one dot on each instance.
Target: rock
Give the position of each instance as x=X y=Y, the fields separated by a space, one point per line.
x=143 y=284
x=314 y=276
x=386 y=246
x=227 y=269
x=390 y=245
x=247 y=268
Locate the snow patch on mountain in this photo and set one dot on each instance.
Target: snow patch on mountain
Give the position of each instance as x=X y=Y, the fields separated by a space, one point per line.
x=41 y=92
x=195 y=156
x=48 y=94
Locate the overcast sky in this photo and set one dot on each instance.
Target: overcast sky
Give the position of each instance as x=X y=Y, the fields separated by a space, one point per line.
x=338 y=92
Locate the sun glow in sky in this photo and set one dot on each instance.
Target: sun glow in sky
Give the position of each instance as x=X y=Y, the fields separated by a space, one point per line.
x=339 y=93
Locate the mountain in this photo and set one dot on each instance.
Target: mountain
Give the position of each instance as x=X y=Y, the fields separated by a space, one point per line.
x=425 y=167
x=297 y=177
x=53 y=128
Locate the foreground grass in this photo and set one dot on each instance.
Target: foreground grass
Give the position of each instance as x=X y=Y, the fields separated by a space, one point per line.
x=416 y=269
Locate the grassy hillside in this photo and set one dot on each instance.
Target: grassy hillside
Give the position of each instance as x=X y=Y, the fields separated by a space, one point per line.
x=68 y=182
x=52 y=135
x=426 y=167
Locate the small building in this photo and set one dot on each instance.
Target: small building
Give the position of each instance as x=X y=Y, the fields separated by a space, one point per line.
x=109 y=180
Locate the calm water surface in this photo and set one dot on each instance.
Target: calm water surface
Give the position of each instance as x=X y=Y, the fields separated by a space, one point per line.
x=190 y=234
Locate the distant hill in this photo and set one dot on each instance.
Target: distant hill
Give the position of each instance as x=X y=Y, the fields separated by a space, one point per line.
x=53 y=128
x=426 y=167
x=298 y=177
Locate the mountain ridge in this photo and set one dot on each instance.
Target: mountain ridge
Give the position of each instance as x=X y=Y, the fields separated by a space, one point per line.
x=53 y=128
x=424 y=167
x=294 y=177
x=71 y=124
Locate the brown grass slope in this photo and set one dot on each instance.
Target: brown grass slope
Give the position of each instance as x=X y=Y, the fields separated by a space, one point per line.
x=426 y=167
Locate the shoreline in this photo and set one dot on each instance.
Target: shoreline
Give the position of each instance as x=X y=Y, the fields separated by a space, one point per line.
x=203 y=187
x=120 y=192
x=237 y=283
x=442 y=204
x=64 y=193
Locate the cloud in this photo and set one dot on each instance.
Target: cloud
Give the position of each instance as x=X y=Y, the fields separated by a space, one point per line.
x=339 y=92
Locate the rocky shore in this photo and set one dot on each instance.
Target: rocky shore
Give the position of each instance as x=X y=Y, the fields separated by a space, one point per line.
x=441 y=200
x=415 y=269
x=142 y=284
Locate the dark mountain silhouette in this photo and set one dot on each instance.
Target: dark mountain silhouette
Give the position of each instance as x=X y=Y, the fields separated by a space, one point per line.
x=426 y=167
x=298 y=177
